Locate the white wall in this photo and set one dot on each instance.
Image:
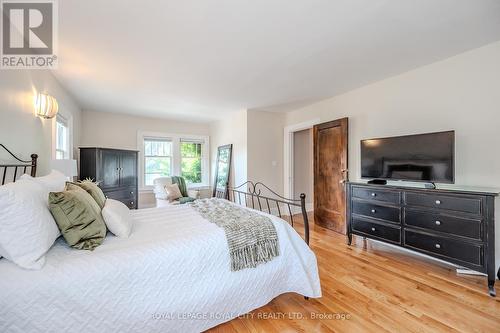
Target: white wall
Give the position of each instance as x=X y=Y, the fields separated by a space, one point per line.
x=257 y=138
x=20 y=130
x=231 y=130
x=112 y=130
x=460 y=93
x=303 y=174
x=265 y=148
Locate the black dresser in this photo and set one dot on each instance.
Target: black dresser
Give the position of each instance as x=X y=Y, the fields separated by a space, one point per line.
x=453 y=225
x=115 y=170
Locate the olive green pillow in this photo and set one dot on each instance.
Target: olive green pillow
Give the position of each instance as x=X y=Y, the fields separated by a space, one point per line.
x=91 y=189
x=78 y=217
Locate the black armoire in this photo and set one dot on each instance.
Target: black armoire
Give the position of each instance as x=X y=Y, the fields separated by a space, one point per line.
x=115 y=170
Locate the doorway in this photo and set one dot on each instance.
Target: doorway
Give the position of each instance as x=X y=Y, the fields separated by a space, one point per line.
x=327 y=199
x=303 y=173
x=330 y=174
x=291 y=154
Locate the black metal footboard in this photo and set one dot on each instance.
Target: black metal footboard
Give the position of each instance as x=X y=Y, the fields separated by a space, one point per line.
x=250 y=194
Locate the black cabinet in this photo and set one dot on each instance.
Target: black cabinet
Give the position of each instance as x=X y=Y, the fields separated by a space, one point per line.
x=453 y=225
x=115 y=170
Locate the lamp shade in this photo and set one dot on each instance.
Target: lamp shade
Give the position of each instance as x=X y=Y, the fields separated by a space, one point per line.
x=46 y=106
x=67 y=167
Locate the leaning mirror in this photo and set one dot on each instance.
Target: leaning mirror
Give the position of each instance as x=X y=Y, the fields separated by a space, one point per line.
x=222 y=171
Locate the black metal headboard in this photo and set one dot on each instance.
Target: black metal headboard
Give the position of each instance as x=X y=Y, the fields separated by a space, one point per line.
x=23 y=165
x=249 y=194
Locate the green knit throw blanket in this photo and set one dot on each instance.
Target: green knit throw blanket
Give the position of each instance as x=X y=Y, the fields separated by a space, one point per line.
x=182 y=184
x=182 y=187
x=251 y=237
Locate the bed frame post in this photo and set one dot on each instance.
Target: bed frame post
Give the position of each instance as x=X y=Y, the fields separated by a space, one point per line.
x=34 y=158
x=304 y=215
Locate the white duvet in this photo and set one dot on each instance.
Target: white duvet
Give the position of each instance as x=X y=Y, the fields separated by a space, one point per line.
x=172 y=275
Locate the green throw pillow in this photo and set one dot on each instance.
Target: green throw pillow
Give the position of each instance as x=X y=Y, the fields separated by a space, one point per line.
x=78 y=217
x=91 y=189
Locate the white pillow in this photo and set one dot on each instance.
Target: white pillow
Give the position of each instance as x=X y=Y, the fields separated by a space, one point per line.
x=117 y=218
x=27 y=229
x=173 y=192
x=53 y=182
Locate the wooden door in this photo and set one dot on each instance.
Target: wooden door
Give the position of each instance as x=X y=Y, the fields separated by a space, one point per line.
x=110 y=168
x=330 y=174
x=128 y=168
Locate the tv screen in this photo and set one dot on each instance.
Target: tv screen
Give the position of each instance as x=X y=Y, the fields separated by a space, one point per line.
x=422 y=157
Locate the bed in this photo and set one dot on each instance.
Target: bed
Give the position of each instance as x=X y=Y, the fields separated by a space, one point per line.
x=171 y=275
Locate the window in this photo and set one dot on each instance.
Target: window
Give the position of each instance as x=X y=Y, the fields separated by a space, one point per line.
x=191 y=160
x=157 y=159
x=166 y=155
x=62 y=150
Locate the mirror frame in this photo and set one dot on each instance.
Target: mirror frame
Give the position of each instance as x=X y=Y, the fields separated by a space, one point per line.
x=224 y=147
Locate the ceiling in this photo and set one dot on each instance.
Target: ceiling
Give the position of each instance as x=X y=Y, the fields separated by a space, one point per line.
x=200 y=60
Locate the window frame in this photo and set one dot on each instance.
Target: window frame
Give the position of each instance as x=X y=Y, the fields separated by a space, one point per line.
x=67 y=120
x=176 y=155
x=171 y=157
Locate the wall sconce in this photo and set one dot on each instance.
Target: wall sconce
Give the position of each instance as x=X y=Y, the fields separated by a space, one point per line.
x=46 y=106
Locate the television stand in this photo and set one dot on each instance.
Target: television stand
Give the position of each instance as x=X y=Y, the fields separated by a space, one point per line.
x=454 y=224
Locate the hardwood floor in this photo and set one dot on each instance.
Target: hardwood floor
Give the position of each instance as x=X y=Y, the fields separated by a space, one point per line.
x=370 y=287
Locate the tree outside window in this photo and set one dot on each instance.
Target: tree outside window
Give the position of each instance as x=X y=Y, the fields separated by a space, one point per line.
x=191 y=160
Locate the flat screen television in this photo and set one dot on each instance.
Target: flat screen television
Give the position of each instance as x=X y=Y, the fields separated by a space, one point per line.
x=422 y=157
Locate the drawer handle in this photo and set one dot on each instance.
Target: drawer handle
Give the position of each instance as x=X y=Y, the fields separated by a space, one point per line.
x=373 y=229
x=131 y=192
x=131 y=202
x=373 y=211
x=438 y=246
x=438 y=222
x=438 y=202
x=374 y=194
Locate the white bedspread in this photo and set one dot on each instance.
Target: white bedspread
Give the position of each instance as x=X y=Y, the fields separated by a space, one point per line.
x=172 y=275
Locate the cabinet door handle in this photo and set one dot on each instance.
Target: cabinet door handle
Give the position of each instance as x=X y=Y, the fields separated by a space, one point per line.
x=438 y=246
x=373 y=211
x=131 y=192
x=132 y=203
x=373 y=229
x=438 y=222
x=438 y=202
x=374 y=194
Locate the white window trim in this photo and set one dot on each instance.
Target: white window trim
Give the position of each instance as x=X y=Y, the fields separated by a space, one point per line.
x=176 y=155
x=68 y=117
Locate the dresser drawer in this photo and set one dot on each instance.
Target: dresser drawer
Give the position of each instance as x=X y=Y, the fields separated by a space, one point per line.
x=121 y=194
x=126 y=195
x=387 y=233
x=455 y=203
x=379 y=195
x=390 y=214
x=446 y=248
x=444 y=223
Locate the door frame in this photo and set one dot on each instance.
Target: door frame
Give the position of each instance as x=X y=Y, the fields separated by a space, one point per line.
x=288 y=147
